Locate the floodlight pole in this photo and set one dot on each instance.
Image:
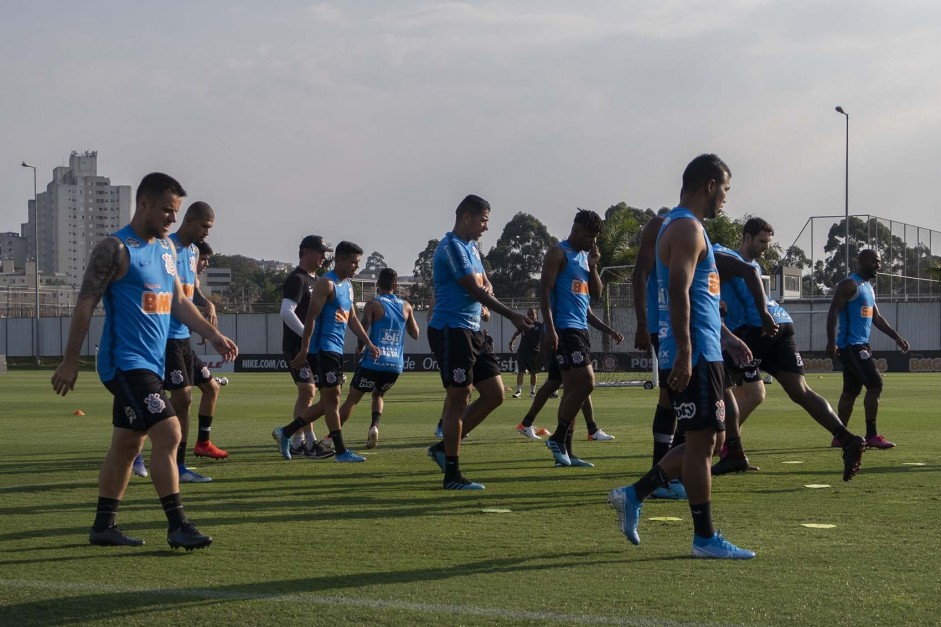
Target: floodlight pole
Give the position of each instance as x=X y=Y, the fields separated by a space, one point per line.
x=36 y=266
x=846 y=192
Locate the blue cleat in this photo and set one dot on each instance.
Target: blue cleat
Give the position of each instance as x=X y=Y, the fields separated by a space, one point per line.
x=436 y=453
x=665 y=493
x=439 y=432
x=462 y=483
x=627 y=507
x=718 y=547
x=349 y=456
x=677 y=486
x=139 y=468
x=191 y=476
x=284 y=443
x=558 y=451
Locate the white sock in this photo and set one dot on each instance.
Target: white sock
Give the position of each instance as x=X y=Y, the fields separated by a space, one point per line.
x=519 y=388
x=297 y=440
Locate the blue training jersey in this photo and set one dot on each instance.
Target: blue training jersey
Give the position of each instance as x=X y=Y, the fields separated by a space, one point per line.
x=388 y=334
x=330 y=327
x=705 y=325
x=569 y=297
x=137 y=309
x=455 y=307
x=186 y=258
x=741 y=309
x=856 y=317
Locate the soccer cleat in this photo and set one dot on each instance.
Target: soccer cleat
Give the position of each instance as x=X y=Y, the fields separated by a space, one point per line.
x=208 y=449
x=436 y=453
x=517 y=394
x=284 y=442
x=318 y=452
x=554 y=395
x=528 y=432
x=188 y=537
x=577 y=462
x=439 y=432
x=327 y=442
x=879 y=441
x=348 y=457
x=853 y=457
x=112 y=536
x=677 y=486
x=532 y=395
x=297 y=450
x=542 y=431
x=627 y=507
x=191 y=476
x=462 y=483
x=558 y=451
x=372 y=438
x=139 y=468
x=727 y=465
x=666 y=493
x=718 y=547
x=600 y=436
x=835 y=443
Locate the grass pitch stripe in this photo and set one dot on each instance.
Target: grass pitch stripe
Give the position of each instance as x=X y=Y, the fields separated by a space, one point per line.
x=334 y=600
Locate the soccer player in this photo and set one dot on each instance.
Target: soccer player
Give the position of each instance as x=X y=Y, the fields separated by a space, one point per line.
x=386 y=318
x=134 y=270
x=777 y=352
x=183 y=368
x=464 y=355
x=295 y=302
x=854 y=303
x=331 y=311
x=528 y=354
x=690 y=356
x=551 y=387
x=569 y=279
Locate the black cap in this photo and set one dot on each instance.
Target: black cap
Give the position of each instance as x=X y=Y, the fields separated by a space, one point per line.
x=315 y=242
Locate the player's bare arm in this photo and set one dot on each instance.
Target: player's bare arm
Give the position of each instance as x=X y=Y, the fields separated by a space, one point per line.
x=186 y=312
x=594 y=279
x=203 y=303
x=681 y=247
x=108 y=262
x=368 y=313
x=488 y=300
x=322 y=292
x=599 y=324
x=552 y=265
x=643 y=267
x=357 y=328
x=883 y=325
x=845 y=291
x=411 y=324
x=730 y=267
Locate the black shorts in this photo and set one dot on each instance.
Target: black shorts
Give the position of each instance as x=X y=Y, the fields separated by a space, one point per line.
x=740 y=374
x=183 y=367
x=778 y=353
x=527 y=362
x=701 y=405
x=302 y=375
x=574 y=349
x=376 y=381
x=139 y=401
x=464 y=356
x=859 y=369
x=327 y=368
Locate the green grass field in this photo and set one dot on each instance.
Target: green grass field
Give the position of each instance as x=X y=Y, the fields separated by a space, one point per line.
x=382 y=543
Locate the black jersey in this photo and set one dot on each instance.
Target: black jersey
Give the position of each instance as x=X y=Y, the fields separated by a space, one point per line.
x=529 y=339
x=297 y=287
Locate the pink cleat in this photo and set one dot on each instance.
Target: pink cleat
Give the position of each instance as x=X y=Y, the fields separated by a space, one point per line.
x=879 y=441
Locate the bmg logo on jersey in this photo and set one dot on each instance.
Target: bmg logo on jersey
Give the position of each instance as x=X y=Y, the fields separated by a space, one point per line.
x=156 y=302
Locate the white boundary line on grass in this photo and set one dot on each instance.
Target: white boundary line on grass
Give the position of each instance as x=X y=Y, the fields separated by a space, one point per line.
x=334 y=600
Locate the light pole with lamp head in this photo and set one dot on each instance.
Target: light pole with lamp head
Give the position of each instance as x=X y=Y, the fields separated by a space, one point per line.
x=846 y=193
x=36 y=268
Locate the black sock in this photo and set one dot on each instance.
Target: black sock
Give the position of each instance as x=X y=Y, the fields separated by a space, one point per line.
x=181 y=454
x=376 y=416
x=702 y=519
x=337 y=437
x=296 y=425
x=173 y=508
x=104 y=515
x=664 y=426
x=591 y=425
x=528 y=420
x=560 y=430
x=871 y=429
x=452 y=468
x=733 y=447
x=205 y=425
x=655 y=478
x=568 y=439
x=843 y=436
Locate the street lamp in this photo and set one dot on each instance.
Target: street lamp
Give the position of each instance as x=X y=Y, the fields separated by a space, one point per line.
x=846 y=193
x=36 y=268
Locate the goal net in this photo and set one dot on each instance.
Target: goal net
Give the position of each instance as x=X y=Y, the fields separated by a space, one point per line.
x=620 y=365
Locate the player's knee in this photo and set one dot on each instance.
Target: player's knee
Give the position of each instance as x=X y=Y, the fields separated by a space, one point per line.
x=874 y=391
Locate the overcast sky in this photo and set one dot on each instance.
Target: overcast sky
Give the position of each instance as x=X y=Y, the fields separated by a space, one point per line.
x=370 y=120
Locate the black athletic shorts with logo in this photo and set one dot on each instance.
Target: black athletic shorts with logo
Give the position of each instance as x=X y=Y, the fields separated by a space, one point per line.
x=574 y=349
x=701 y=405
x=304 y=374
x=859 y=369
x=527 y=362
x=328 y=369
x=374 y=381
x=139 y=401
x=778 y=353
x=464 y=356
x=183 y=367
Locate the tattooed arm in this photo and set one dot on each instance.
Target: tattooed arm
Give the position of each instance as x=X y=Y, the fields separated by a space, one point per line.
x=108 y=262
